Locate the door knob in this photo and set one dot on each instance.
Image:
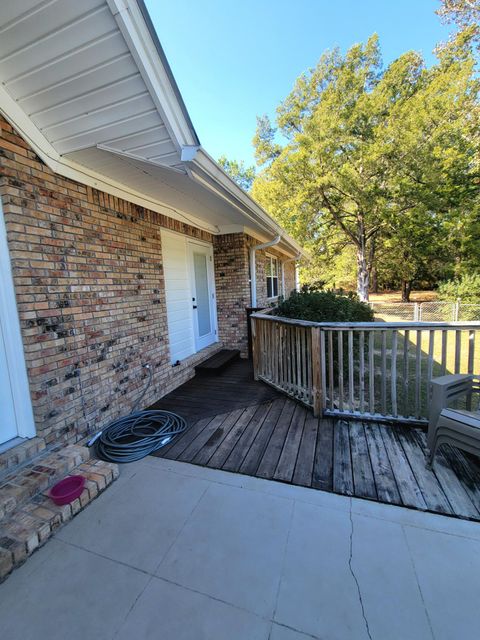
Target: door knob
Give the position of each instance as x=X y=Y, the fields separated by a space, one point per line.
x=195 y=306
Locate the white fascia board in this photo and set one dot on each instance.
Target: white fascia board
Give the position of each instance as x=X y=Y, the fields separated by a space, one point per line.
x=74 y=171
x=284 y=248
x=137 y=36
x=204 y=169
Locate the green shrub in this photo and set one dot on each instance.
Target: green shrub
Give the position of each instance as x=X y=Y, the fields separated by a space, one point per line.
x=466 y=288
x=325 y=306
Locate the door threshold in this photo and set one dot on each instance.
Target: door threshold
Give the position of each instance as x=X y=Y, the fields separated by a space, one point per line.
x=14 y=442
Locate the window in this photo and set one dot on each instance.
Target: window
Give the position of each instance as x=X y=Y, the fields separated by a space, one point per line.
x=271 y=271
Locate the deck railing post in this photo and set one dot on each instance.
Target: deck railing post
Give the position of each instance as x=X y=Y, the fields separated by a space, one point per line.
x=317 y=383
x=305 y=360
x=255 y=347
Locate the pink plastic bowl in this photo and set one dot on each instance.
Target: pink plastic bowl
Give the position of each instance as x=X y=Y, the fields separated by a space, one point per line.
x=67 y=489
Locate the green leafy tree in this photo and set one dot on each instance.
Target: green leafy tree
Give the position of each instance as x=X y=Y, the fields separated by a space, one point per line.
x=243 y=176
x=360 y=152
x=463 y=13
x=407 y=255
x=466 y=289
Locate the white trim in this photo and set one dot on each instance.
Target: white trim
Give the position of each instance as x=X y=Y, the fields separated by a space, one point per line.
x=200 y=166
x=295 y=267
x=137 y=36
x=74 y=171
x=204 y=169
x=17 y=369
x=272 y=257
x=212 y=337
x=253 y=267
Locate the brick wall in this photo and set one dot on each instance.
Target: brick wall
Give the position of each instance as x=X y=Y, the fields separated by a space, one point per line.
x=289 y=276
x=88 y=277
x=232 y=283
x=232 y=277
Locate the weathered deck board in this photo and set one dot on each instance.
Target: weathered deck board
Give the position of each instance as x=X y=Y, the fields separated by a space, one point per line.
x=270 y=458
x=252 y=459
x=385 y=482
x=306 y=453
x=221 y=454
x=322 y=476
x=431 y=490
x=288 y=457
x=211 y=395
x=408 y=488
x=277 y=438
x=202 y=438
x=342 y=460
x=363 y=479
x=240 y=450
x=216 y=438
x=178 y=446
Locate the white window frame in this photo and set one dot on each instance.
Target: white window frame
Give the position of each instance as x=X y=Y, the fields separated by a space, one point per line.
x=270 y=258
x=17 y=369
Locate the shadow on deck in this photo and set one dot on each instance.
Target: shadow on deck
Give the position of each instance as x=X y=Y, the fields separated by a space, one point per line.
x=244 y=426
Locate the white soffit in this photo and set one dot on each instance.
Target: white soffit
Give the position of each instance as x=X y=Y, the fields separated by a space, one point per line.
x=89 y=81
x=67 y=65
x=178 y=190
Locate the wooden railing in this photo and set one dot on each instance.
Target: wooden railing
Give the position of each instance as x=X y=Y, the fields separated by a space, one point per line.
x=370 y=370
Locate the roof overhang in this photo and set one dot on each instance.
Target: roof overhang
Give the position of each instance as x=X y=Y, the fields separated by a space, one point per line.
x=87 y=84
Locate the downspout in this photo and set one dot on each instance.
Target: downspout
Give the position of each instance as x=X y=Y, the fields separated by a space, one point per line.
x=253 y=274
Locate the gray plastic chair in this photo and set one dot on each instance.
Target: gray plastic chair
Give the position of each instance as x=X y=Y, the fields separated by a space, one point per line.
x=457 y=427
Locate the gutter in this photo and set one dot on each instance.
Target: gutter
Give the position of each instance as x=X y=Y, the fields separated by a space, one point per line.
x=204 y=170
x=253 y=272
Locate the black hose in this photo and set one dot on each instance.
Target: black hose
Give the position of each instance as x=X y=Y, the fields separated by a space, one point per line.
x=139 y=434
x=135 y=436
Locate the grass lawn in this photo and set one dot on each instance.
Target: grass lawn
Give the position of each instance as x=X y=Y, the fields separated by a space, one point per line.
x=396 y=296
x=410 y=402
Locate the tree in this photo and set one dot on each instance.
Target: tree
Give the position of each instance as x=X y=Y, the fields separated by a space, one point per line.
x=466 y=289
x=463 y=13
x=359 y=151
x=243 y=176
x=406 y=254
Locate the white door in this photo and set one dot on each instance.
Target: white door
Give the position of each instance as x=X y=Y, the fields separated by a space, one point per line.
x=178 y=296
x=8 y=427
x=202 y=285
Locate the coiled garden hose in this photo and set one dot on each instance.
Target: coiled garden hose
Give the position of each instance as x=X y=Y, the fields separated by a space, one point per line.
x=139 y=434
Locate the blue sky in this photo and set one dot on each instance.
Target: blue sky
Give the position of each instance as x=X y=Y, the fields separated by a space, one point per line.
x=236 y=59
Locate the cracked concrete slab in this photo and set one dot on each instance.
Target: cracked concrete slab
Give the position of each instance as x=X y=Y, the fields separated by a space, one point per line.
x=318 y=594
x=208 y=555
x=387 y=581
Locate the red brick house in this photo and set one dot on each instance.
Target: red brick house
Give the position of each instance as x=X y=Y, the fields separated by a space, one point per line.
x=121 y=240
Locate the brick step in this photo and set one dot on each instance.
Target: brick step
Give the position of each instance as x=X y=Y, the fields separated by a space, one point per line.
x=30 y=525
x=38 y=475
x=20 y=454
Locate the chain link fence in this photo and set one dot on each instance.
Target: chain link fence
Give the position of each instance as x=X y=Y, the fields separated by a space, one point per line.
x=436 y=311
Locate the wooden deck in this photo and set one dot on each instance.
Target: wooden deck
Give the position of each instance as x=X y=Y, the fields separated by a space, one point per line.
x=243 y=426
x=206 y=395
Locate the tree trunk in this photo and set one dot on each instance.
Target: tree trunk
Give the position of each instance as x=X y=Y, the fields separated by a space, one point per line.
x=406 y=290
x=362 y=275
x=372 y=269
x=374 y=280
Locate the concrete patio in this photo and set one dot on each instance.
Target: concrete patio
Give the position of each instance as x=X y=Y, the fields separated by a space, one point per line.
x=181 y=552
